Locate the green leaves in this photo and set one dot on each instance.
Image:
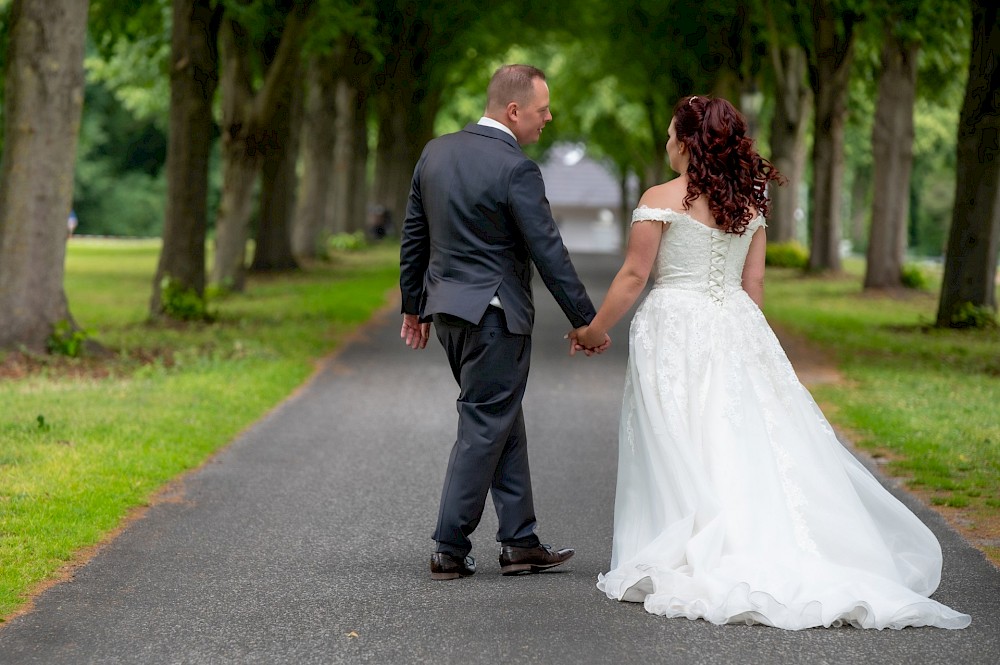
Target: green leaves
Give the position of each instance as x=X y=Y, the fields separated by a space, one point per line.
x=129 y=52
x=66 y=340
x=182 y=303
x=968 y=315
x=333 y=20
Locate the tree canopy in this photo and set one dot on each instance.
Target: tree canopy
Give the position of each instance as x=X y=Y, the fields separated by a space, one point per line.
x=314 y=111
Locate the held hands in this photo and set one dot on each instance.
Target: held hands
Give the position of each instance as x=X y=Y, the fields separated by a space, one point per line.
x=588 y=340
x=413 y=333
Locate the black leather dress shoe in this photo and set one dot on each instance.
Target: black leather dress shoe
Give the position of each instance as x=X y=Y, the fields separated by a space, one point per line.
x=516 y=560
x=448 y=567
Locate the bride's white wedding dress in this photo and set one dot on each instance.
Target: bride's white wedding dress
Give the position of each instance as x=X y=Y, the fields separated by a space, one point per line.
x=735 y=500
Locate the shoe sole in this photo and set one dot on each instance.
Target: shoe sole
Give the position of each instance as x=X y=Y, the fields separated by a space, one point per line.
x=448 y=576
x=518 y=568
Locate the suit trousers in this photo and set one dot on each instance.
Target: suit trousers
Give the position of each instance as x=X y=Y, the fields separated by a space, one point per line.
x=490 y=453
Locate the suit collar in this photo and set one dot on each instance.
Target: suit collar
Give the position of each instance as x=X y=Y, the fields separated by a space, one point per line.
x=491 y=132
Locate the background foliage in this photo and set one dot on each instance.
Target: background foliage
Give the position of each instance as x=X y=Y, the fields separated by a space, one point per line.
x=614 y=72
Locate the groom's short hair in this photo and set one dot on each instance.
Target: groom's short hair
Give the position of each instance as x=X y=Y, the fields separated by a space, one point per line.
x=511 y=83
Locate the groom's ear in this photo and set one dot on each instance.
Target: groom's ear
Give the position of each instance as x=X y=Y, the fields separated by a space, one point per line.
x=512 y=110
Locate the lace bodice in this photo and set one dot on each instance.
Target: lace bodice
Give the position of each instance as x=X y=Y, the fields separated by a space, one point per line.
x=695 y=257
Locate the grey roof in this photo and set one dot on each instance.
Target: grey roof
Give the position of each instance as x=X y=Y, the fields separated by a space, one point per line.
x=573 y=179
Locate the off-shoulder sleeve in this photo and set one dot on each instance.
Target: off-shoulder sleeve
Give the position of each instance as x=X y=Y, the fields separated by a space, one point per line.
x=756 y=223
x=644 y=214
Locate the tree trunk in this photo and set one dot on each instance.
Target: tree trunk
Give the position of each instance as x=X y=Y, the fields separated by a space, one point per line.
x=43 y=100
x=406 y=109
x=788 y=139
x=349 y=204
x=359 y=166
x=350 y=159
x=392 y=160
x=194 y=77
x=311 y=220
x=861 y=186
x=241 y=162
x=273 y=250
x=624 y=209
x=246 y=138
x=241 y=158
x=655 y=172
x=892 y=150
x=833 y=36
x=971 y=257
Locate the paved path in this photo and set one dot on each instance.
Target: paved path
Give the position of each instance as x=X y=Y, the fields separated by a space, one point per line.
x=308 y=539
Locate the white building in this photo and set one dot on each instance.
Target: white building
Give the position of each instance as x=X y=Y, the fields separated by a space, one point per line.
x=585 y=199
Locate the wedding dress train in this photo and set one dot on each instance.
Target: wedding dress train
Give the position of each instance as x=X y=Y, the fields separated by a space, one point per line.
x=735 y=500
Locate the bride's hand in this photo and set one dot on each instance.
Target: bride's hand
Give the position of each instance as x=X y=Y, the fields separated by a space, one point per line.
x=603 y=345
x=588 y=340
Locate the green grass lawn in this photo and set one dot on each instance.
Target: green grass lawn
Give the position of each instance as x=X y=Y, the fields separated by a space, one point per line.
x=924 y=399
x=83 y=441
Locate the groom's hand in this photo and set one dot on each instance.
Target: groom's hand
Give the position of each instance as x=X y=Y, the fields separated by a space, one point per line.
x=413 y=333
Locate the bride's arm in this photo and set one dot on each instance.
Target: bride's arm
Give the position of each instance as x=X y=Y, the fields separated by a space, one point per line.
x=753 y=269
x=643 y=243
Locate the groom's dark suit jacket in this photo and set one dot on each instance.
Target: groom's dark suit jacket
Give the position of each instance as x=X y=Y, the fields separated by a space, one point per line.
x=477 y=218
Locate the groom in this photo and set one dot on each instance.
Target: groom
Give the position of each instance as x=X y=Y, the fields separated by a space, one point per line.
x=477 y=218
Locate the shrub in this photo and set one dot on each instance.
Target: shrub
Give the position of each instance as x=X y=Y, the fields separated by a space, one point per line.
x=348 y=242
x=787 y=255
x=913 y=277
x=66 y=339
x=973 y=316
x=183 y=303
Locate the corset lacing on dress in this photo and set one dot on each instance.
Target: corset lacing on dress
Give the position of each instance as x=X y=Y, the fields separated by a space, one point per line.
x=717 y=268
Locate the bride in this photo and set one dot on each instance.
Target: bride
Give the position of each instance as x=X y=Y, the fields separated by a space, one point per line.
x=735 y=501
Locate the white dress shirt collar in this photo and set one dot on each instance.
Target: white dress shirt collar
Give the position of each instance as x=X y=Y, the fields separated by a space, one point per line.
x=490 y=122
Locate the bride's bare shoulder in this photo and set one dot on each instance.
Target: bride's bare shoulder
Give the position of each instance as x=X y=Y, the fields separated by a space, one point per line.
x=668 y=195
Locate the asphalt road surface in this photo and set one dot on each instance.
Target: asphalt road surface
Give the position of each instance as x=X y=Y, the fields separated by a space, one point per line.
x=308 y=541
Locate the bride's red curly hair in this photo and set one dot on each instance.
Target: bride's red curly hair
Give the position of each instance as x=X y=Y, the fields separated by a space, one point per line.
x=724 y=167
